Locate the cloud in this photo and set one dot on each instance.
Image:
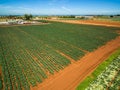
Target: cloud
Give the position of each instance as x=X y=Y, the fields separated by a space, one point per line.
x=66 y=9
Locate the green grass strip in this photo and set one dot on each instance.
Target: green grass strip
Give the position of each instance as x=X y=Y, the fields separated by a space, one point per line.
x=98 y=71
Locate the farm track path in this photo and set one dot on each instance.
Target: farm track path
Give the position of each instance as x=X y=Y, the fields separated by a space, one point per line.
x=71 y=76
x=91 y=22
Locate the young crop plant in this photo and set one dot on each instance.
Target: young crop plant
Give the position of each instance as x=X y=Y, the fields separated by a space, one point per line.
x=109 y=78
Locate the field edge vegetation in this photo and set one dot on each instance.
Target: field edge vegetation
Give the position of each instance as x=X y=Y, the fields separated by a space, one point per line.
x=1 y=82
x=83 y=85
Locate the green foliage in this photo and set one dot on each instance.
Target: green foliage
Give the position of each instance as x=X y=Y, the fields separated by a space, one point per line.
x=69 y=16
x=29 y=54
x=1 y=83
x=109 y=75
x=116 y=83
x=98 y=71
x=27 y=16
x=13 y=17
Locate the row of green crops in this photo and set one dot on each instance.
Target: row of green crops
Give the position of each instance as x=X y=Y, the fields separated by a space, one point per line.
x=26 y=61
x=109 y=78
x=76 y=37
x=109 y=63
x=1 y=82
x=1 y=85
x=29 y=54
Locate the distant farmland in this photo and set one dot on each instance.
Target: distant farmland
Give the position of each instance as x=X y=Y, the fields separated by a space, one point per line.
x=30 y=54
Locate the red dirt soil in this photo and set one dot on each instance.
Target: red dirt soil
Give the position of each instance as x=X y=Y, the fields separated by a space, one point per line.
x=70 y=77
x=91 y=22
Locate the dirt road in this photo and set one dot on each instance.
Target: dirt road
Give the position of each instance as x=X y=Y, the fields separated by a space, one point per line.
x=91 y=22
x=71 y=76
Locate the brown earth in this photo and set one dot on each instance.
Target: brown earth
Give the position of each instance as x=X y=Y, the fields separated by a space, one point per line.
x=91 y=22
x=118 y=31
x=71 y=76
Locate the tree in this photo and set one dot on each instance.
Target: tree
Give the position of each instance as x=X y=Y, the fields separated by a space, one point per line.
x=28 y=16
x=111 y=16
x=11 y=17
x=118 y=15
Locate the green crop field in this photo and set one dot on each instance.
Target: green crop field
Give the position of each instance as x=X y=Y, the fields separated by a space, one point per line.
x=109 y=78
x=106 y=73
x=29 y=54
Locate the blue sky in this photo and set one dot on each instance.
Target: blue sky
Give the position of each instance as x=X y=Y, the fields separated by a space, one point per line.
x=59 y=7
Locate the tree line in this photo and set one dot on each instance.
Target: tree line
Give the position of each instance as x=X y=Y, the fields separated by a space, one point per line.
x=25 y=17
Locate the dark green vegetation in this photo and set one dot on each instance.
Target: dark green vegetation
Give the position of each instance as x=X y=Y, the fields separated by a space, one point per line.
x=28 y=17
x=113 y=58
x=29 y=54
x=1 y=82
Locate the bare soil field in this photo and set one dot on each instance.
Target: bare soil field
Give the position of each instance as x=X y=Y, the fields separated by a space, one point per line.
x=71 y=76
x=91 y=22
